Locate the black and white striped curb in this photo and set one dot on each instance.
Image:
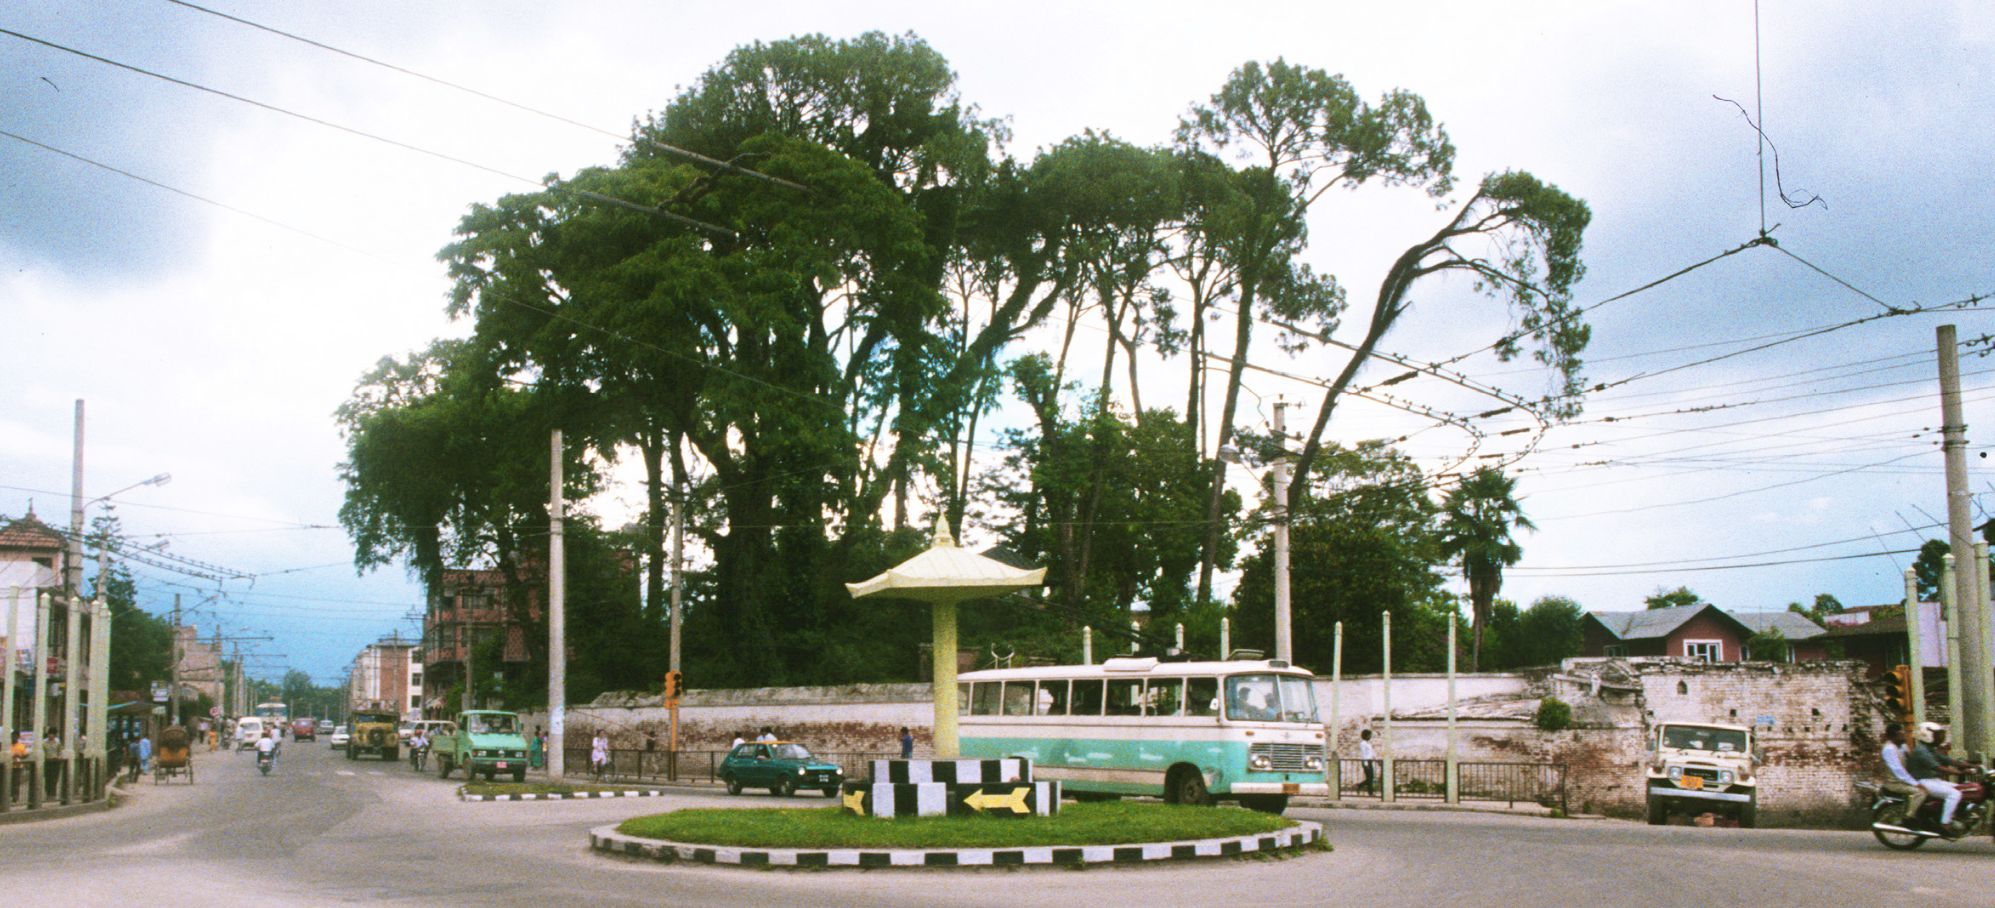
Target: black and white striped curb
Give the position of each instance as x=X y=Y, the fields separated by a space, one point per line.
x=563 y=795
x=607 y=840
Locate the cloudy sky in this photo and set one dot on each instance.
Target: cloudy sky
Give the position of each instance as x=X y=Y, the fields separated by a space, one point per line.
x=214 y=342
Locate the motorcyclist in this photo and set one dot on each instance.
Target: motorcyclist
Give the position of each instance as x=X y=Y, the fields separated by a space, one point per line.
x=266 y=749
x=1927 y=764
x=418 y=749
x=1899 y=780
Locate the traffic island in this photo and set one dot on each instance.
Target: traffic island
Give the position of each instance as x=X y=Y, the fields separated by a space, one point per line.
x=547 y=791
x=1079 y=834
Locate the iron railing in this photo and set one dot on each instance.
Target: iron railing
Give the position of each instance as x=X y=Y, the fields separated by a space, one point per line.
x=1512 y=783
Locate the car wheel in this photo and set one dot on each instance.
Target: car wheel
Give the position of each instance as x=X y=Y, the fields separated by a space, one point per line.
x=733 y=784
x=783 y=788
x=1658 y=811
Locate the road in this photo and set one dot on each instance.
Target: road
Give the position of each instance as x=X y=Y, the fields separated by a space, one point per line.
x=323 y=829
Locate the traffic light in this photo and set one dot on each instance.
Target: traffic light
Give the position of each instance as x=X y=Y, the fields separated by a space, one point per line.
x=1898 y=695
x=675 y=684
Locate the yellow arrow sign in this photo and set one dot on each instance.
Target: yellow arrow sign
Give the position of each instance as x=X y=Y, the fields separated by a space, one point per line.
x=1015 y=802
x=855 y=801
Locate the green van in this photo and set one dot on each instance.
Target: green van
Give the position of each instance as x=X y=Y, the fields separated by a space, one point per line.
x=486 y=742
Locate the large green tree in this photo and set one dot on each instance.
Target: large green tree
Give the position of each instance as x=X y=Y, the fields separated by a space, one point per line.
x=1477 y=520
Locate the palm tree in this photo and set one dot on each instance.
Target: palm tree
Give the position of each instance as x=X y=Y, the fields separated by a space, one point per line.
x=1476 y=520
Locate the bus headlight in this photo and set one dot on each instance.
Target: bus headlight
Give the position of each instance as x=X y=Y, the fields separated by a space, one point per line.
x=1260 y=762
x=1313 y=764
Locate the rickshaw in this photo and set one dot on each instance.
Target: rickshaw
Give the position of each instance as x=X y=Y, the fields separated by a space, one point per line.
x=174 y=756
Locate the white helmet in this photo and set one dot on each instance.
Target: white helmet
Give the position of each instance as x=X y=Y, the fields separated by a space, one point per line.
x=1929 y=731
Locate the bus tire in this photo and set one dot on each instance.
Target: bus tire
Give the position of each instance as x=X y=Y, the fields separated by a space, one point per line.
x=1265 y=803
x=1186 y=785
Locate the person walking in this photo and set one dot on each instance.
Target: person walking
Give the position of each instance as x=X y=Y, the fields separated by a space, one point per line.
x=907 y=744
x=536 y=749
x=599 y=754
x=1366 y=757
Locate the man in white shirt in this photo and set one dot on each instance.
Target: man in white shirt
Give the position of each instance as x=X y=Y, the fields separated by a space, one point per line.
x=1900 y=782
x=766 y=735
x=1366 y=757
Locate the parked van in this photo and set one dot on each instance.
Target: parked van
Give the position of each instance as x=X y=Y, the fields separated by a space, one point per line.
x=248 y=730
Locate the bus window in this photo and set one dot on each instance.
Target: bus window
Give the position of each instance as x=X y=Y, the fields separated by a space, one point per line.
x=1125 y=697
x=963 y=699
x=1018 y=698
x=1166 y=696
x=1087 y=698
x=984 y=698
x=1052 y=698
x=1203 y=697
x=1252 y=698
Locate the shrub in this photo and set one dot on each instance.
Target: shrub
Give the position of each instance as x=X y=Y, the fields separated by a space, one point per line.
x=1553 y=714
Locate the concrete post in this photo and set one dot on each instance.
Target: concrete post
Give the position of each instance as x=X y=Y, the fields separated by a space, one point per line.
x=72 y=699
x=1916 y=659
x=39 y=702
x=1087 y=645
x=100 y=695
x=1385 y=698
x=1969 y=704
x=944 y=654
x=1181 y=637
x=1986 y=622
x=1336 y=720
x=1284 y=647
x=7 y=728
x=1225 y=638
x=1452 y=782
x=1950 y=610
x=557 y=621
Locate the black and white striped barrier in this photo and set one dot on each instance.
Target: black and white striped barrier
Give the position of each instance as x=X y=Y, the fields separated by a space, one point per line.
x=961 y=772
x=958 y=799
x=607 y=840
x=562 y=795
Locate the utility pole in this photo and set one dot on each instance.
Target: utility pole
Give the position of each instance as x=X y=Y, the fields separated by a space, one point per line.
x=72 y=589
x=678 y=557
x=1336 y=724
x=173 y=698
x=39 y=673
x=1912 y=643
x=557 y=618
x=1452 y=782
x=1970 y=705
x=1950 y=612
x=1385 y=696
x=1283 y=647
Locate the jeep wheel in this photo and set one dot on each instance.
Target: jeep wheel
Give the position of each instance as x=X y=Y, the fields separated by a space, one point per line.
x=1749 y=814
x=733 y=784
x=1658 y=811
x=783 y=788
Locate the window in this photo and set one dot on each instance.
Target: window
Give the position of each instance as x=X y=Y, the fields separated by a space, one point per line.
x=1203 y=699
x=1616 y=651
x=1052 y=698
x=984 y=698
x=415 y=701
x=1087 y=698
x=962 y=699
x=1125 y=697
x=1252 y=698
x=1704 y=650
x=1166 y=696
x=1018 y=698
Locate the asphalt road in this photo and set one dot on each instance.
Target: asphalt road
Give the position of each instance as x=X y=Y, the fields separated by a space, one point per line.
x=322 y=829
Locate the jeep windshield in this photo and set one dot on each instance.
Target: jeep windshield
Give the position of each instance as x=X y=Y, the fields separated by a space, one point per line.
x=1715 y=740
x=490 y=725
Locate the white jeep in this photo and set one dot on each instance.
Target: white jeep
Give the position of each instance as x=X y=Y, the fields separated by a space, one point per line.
x=1696 y=768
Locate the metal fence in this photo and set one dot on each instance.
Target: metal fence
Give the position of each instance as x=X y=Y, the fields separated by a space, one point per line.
x=1512 y=783
x=699 y=766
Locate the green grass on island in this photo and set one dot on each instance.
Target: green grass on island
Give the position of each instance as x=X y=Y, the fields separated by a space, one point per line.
x=1104 y=823
x=541 y=788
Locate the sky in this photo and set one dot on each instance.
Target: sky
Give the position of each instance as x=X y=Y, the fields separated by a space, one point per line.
x=213 y=340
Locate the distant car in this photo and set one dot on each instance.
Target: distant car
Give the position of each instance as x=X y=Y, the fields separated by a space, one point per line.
x=781 y=767
x=325 y=726
x=248 y=730
x=304 y=730
x=339 y=738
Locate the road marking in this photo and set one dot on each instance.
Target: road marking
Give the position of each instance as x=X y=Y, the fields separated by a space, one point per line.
x=344 y=772
x=375 y=772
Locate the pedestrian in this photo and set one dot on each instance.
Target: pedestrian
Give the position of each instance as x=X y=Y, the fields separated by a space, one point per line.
x=134 y=757
x=19 y=752
x=536 y=749
x=599 y=754
x=1366 y=757
x=739 y=740
x=907 y=744
x=767 y=735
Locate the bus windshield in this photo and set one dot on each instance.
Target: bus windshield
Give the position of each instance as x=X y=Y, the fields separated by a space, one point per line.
x=1270 y=698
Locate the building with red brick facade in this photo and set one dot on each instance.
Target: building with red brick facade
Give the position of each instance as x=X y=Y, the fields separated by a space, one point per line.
x=1705 y=633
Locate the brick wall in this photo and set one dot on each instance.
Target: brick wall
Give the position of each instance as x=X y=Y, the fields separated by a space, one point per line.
x=1707 y=625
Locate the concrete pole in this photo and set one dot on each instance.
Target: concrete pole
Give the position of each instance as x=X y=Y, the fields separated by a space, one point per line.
x=1986 y=620
x=678 y=563
x=1916 y=660
x=72 y=589
x=7 y=729
x=1284 y=649
x=943 y=663
x=1135 y=637
x=40 y=702
x=1950 y=611
x=1452 y=783
x=557 y=620
x=100 y=694
x=1181 y=637
x=1225 y=639
x=173 y=696
x=72 y=698
x=1087 y=645
x=1336 y=720
x=1385 y=697
x=1971 y=704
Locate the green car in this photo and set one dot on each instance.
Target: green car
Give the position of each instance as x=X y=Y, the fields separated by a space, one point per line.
x=779 y=766
x=484 y=741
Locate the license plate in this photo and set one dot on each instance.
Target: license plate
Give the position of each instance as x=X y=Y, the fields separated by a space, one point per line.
x=501 y=764
x=1692 y=782
x=1289 y=788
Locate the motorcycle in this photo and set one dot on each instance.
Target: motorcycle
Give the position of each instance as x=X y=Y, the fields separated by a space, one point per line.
x=418 y=756
x=264 y=760
x=1901 y=833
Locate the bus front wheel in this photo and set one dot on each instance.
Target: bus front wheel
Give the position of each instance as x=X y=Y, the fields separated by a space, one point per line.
x=1265 y=803
x=1187 y=786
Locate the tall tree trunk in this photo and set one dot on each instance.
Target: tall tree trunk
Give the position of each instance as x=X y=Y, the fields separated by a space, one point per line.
x=1242 y=334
